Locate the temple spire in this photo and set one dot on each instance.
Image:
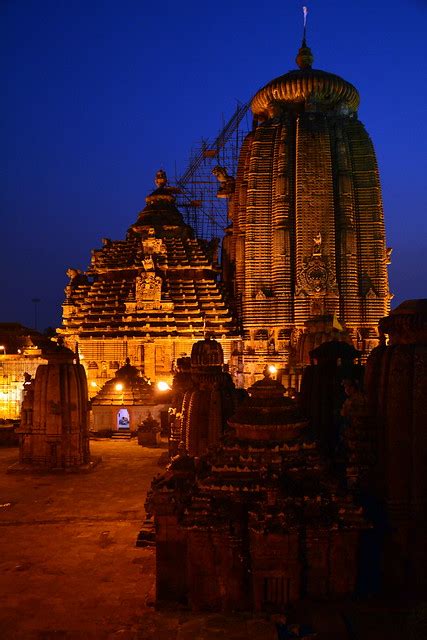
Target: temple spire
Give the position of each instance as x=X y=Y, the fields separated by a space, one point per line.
x=304 y=58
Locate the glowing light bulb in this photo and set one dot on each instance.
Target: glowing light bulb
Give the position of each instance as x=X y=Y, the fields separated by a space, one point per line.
x=272 y=369
x=119 y=386
x=163 y=386
x=93 y=383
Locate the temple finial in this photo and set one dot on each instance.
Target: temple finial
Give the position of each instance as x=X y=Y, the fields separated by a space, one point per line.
x=304 y=58
x=304 y=11
x=161 y=179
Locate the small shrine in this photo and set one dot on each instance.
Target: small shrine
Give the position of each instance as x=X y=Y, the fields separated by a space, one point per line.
x=54 y=418
x=126 y=401
x=204 y=397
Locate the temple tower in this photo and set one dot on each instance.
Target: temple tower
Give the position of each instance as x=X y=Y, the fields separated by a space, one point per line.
x=208 y=402
x=307 y=238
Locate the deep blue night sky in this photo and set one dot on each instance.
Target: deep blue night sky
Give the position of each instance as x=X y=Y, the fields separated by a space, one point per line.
x=100 y=94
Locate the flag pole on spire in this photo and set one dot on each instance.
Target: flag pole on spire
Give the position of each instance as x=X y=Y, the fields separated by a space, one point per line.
x=305 y=12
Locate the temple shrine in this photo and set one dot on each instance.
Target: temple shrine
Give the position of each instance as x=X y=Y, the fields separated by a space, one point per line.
x=304 y=259
x=54 y=433
x=203 y=399
x=307 y=239
x=146 y=297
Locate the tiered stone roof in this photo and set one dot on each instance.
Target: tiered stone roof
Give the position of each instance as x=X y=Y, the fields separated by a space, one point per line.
x=160 y=281
x=272 y=465
x=127 y=387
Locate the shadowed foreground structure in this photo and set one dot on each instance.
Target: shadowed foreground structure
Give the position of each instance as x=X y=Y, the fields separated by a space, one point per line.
x=258 y=522
x=396 y=381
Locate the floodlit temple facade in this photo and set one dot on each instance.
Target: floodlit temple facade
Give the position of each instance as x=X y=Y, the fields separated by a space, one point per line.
x=146 y=298
x=307 y=238
x=304 y=259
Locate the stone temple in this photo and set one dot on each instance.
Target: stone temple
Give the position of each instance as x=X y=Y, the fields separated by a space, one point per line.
x=146 y=297
x=304 y=256
x=307 y=239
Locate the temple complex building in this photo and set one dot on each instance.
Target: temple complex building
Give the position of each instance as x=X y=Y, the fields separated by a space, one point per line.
x=307 y=238
x=304 y=259
x=22 y=350
x=146 y=297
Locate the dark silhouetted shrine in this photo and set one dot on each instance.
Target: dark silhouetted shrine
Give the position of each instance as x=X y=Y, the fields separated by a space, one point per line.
x=257 y=522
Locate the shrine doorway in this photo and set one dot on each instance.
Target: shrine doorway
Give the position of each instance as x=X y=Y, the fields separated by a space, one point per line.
x=123 y=419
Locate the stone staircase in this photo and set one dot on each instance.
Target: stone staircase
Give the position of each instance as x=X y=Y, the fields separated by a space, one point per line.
x=121 y=434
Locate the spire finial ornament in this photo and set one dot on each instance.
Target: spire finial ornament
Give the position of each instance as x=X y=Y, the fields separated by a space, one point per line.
x=304 y=58
x=161 y=179
x=304 y=11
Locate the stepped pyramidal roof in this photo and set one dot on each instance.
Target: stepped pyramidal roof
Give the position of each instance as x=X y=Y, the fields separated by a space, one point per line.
x=160 y=281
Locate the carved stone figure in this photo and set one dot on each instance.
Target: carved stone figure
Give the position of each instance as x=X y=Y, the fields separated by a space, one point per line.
x=317 y=244
x=153 y=245
x=226 y=182
x=77 y=277
x=148 y=288
x=148 y=263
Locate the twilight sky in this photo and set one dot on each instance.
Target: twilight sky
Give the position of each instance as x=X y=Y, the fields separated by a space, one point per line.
x=98 y=94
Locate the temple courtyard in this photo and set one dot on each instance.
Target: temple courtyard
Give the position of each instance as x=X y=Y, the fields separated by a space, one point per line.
x=69 y=567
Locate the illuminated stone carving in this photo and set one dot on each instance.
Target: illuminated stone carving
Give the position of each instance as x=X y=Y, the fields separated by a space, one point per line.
x=259 y=512
x=226 y=182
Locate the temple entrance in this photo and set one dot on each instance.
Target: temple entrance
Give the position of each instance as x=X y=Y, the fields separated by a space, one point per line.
x=123 y=421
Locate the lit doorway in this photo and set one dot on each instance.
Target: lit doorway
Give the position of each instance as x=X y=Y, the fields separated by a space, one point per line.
x=123 y=421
